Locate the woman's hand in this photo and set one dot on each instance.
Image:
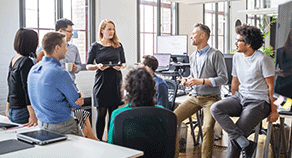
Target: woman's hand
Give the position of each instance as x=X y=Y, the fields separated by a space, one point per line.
x=101 y=67
x=118 y=68
x=7 y=110
x=7 y=113
x=32 y=121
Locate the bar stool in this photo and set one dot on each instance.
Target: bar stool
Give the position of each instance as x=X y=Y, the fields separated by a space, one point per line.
x=287 y=149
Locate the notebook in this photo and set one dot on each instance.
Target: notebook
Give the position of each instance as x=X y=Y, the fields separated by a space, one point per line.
x=41 y=137
x=163 y=61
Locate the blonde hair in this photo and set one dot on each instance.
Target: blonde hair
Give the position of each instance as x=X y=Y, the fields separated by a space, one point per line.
x=102 y=26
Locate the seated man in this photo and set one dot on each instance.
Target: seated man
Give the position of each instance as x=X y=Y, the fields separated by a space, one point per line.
x=162 y=89
x=252 y=93
x=51 y=90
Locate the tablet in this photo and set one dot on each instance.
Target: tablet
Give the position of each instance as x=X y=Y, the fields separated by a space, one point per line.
x=112 y=64
x=41 y=137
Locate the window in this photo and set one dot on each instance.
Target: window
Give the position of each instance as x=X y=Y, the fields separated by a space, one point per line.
x=41 y=16
x=148 y=24
x=253 y=19
x=211 y=23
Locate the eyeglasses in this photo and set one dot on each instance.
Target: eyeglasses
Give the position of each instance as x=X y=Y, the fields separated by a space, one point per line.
x=69 y=31
x=238 y=40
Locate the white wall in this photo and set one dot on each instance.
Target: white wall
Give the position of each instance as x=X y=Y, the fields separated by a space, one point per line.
x=235 y=6
x=188 y=16
x=124 y=14
x=9 y=17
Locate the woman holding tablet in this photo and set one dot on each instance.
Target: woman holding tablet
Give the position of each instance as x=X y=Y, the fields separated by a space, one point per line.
x=108 y=53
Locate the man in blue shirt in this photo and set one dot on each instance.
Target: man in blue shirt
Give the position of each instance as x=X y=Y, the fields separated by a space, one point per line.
x=162 y=89
x=51 y=90
x=72 y=55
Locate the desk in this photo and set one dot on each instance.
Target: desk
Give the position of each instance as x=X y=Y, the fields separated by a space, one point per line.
x=74 y=146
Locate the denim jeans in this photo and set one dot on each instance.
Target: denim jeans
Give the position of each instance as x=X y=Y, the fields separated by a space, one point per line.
x=20 y=116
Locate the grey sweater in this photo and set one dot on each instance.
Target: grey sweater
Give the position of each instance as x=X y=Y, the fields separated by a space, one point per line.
x=213 y=68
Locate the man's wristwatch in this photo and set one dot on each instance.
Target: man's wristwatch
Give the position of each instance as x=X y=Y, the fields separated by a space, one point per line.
x=203 y=81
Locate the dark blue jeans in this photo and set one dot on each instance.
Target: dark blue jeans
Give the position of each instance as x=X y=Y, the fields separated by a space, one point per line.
x=20 y=116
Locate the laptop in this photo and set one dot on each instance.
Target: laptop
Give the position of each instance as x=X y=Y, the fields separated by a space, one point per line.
x=163 y=61
x=40 y=137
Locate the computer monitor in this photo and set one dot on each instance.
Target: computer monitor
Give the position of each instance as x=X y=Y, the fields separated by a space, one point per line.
x=173 y=44
x=283 y=56
x=228 y=61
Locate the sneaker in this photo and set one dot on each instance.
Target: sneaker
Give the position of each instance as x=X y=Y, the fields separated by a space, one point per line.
x=248 y=151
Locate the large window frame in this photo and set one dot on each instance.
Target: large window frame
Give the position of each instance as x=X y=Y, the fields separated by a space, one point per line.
x=214 y=17
x=88 y=30
x=159 y=27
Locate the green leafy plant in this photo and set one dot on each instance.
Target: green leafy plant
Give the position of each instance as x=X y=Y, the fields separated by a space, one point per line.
x=269 y=51
x=266 y=31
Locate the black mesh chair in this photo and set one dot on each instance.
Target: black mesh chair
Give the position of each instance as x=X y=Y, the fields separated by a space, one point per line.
x=150 y=129
x=172 y=90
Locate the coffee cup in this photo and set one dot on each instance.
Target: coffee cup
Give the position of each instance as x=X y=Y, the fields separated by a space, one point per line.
x=69 y=66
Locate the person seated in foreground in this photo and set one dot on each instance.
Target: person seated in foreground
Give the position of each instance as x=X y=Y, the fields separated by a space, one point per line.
x=139 y=87
x=252 y=93
x=162 y=89
x=51 y=90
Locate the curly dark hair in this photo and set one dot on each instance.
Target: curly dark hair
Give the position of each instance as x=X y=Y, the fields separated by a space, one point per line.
x=251 y=35
x=139 y=87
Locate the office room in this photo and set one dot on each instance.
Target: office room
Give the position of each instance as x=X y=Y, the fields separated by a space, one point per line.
x=141 y=25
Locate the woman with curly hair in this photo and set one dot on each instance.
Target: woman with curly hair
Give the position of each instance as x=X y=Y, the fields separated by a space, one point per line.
x=140 y=90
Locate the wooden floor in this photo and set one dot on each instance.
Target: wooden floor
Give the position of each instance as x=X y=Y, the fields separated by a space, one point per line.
x=220 y=152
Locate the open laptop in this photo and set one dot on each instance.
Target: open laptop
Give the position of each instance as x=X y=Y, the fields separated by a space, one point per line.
x=40 y=137
x=163 y=61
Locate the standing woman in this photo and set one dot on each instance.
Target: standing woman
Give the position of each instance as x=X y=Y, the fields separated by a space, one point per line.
x=18 y=108
x=109 y=56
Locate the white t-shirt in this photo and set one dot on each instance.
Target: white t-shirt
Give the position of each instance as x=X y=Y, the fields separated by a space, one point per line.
x=251 y=72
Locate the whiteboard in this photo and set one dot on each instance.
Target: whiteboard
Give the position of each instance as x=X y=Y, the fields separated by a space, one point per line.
x=175 y=45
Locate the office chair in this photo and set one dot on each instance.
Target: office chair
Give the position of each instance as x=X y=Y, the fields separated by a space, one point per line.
x=172 y=90
x=150 y=129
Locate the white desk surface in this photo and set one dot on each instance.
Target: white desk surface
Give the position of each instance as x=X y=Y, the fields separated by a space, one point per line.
x=74 y=146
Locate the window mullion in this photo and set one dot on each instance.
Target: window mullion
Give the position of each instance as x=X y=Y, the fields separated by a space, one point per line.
x=59 y=9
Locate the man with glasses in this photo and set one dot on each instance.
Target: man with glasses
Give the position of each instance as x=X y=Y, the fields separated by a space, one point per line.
x=252 y=93
x=72 y=55
x=208 y=73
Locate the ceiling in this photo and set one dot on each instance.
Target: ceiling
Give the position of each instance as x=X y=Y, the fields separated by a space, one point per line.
x=199 y=1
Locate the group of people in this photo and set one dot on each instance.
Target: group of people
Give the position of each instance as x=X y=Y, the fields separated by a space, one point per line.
x=252 y=90
x=45 y=94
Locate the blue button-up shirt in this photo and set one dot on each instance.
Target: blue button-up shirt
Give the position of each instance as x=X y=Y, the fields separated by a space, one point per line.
x=72 y=56
x=51 y=91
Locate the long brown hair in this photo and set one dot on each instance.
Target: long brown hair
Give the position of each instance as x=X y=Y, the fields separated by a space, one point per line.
x=102 y=26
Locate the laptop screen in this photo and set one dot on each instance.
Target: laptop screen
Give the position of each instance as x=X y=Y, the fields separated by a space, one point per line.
x=163 y=59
